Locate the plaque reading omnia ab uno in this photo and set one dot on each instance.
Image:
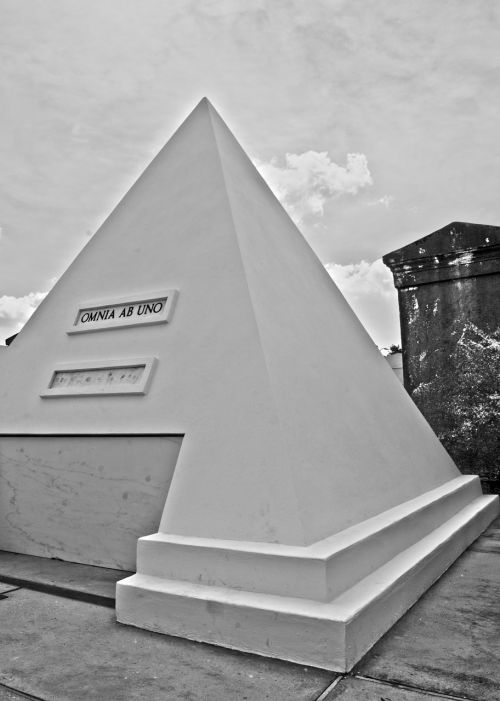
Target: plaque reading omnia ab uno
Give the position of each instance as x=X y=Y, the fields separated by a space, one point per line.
x=118 y=313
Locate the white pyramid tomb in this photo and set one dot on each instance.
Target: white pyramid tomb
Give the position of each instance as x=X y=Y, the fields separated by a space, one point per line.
x=305 y=501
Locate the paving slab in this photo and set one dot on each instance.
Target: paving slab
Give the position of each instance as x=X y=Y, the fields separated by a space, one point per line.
x=10 y=695
x=6 y=587
x=489 y=541
x=85 y=582
x=449 y=642
x=62 y=649
x=355 y=689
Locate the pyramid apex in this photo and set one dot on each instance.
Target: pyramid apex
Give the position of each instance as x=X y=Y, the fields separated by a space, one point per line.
x=205 y=106
x=204 y=102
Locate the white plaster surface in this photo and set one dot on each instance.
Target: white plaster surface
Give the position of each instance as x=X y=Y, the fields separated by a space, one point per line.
x=83 y=499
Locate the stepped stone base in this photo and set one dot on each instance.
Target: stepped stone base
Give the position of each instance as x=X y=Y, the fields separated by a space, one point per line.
x=322 y=605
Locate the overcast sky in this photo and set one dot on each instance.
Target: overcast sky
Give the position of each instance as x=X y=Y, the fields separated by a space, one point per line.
x=376 y=122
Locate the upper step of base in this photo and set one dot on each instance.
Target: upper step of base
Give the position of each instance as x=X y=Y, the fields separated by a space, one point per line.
x=320 y=571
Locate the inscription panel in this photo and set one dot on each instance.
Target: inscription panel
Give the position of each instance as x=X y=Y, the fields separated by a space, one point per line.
x=118 y=313
x=110 y=377
x=94 y=378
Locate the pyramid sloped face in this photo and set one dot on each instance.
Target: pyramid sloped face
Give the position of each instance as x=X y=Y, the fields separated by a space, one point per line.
x=348 y=428
x=290 y=416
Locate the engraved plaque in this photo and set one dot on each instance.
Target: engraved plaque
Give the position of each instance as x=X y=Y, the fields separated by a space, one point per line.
x=118 y=313
x=93 y=378
x=99 y=377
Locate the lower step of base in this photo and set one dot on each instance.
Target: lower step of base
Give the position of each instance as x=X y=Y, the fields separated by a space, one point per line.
x=332 y=635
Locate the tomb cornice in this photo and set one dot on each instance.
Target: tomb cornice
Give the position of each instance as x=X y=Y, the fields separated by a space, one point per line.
x=451 y=265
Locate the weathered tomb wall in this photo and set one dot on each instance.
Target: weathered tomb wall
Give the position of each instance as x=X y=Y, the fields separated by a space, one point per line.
x=449 y=301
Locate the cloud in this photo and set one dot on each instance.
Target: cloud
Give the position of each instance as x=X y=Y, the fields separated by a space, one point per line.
x=355 y=279
x=385 y=201
x=369 y=289
x=15 y=311
x=308 y=180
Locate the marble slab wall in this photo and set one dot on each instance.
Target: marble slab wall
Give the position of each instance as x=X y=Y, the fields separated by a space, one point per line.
x=83 y=498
